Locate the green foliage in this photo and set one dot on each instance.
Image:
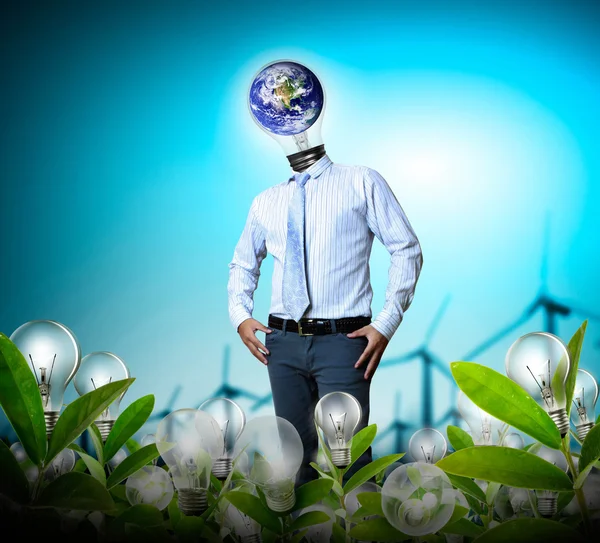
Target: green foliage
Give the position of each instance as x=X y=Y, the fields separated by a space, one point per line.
x=458 y=438
x=525 y=530
x=590 y=453
x=132 y=463
x=78 y=491
x=377 y=529
x=370 y=470
x=312 y=492
x=253 y=507
x=13 y=482
x=574 y=348
x=93 y=466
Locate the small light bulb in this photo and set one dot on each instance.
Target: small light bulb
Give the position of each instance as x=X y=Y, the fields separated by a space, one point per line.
x=547 y=499
x=150 y=485
x=485 y=429
x=585 y=396
x=427 y=445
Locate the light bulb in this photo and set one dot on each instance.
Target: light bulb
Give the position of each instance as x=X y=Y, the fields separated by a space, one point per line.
x=270 y=453
x=287 y=101
x=98 y=369
x=539 y=363
x=338 y=415
x=231 y=419
x=150 y=485
x=118 y=457
x=585 y=396
x=149 y=439
x=320 y=533
x=417 y=498
x=53 y=354
x=485 y=429
x=427 y=445
x=352 y=504
x=246 y=529
x=189 y=441
x=514 y=441
x=62 y=463
x=547 y=499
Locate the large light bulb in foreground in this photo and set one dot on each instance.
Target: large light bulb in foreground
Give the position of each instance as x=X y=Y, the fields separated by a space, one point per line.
x=232 y=420
x=53 y=355
x=585 y=396
x=547 y=499
x=427 y=445
x=270 y=453
x=418 y=498
x=338 y=415
x=287 y=101
x=189 y=441
x=539 y=362
x=98 y=369
x=485 y=429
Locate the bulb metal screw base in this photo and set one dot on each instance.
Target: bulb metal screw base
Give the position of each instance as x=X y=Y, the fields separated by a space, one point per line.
x=50 y=417
x=105 y=426
x=222 y=468
x=281 y=503
x=192 y=501
x=547 y=506
x=340 y=457
x=559 y=416
x=254 y=538
x=303 y=159
x=584 y=430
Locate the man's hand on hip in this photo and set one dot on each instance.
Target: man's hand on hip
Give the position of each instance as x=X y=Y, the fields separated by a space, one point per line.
x=374 y=350
x=247 y=331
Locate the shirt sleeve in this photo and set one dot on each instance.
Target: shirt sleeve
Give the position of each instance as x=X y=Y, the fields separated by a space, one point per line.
x=244 y=269
x=388 y=222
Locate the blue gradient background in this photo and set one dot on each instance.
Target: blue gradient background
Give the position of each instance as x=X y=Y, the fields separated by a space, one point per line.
x=129 y=161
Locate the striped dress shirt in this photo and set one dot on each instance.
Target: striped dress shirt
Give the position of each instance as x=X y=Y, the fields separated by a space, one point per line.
x=346 y=206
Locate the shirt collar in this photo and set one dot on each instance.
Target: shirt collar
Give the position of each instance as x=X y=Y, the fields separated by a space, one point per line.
x=317 y=168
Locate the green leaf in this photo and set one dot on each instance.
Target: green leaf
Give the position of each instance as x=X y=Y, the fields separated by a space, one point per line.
x=252 y=506
x=174 y=512
x=95 y=468
x=463 y=527
x=127 y=424
x=13 y=482
x=458 y=513
x=75 y=490
x=574 y=348
x=506 y=400
x=337 y=488
x=132 y=445
x=526 y=530
x=338 y=535
x=335 y=472
x=132 y=463
x=21 y=400
x=119 y=492
x=468 y=486
x=79 y=414
x=505 y=465
x=370 y=470
x=96 y=439
x=491 y=492
x=590 y=453
x=307 y=519
x=377 y=529
x=458 y=438
x=189 y=529
x=361 y=441
x=296 y=538
x=312 y=492
x=564 y=499
x=142 y=514
x=371 y=502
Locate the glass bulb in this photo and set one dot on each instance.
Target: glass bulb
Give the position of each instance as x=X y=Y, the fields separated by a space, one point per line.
x=98 y=369
x=287 y=101
x=270 y=452
x=417 y=498
x=338 y=415
x=244 y=527
x=351 y=500
x=585 y=396
x=514 y=441
x=53 y=355
x=119 y=456
x=189 y=441
x=231 y=419
x=150 y=485
x=539 y=363
x=320 y=533
x=547 y=499
x=485 y=429
x=63 y=462
x=149 y=439
x=427 y=445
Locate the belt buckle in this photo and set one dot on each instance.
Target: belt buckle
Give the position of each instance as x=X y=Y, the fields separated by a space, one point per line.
x=300 y=332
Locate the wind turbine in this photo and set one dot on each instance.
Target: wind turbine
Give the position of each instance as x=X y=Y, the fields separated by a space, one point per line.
x=429 y=360
x=397 y=427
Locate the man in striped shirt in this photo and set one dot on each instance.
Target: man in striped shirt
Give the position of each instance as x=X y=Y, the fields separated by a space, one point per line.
x=336 y=346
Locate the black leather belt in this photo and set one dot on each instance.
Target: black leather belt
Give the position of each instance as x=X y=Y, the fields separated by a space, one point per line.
x=319 y=327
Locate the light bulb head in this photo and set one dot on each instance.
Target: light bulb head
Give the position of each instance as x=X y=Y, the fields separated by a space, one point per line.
x=485 y=429
x=514 y=441
x=338 y=415
x=53 y=354
x=287 y=101
x=539 y=362
x=269 y=453
x=150 y=485
x=585 y=396
x=98 y=369
x=427 y=445
x=232 y=420
x=547 y=500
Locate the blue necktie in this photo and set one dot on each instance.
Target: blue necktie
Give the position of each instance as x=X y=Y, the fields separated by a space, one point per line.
x=294 y=290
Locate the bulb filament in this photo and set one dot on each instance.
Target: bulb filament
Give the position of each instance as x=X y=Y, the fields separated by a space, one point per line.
x=43 y=384
x=428 y=454
x=544 y=383
x=338 y=426
x=579 y=402
x=105 y=412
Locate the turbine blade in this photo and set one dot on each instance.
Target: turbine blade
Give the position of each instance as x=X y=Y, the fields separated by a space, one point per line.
x=400 y=359
x=496 y=337
x=437 y=319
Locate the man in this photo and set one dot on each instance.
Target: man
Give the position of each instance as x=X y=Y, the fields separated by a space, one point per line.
x=319 y=227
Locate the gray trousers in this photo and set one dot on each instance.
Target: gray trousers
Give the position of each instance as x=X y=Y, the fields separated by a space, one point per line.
x=302 y=369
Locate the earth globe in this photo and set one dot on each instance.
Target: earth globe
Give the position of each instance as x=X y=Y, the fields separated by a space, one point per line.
x=287 y=101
